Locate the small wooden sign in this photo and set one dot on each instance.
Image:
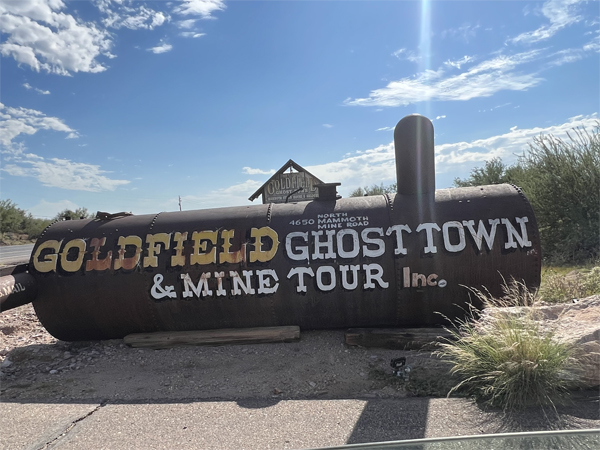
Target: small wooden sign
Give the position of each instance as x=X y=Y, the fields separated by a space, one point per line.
x=293 y=186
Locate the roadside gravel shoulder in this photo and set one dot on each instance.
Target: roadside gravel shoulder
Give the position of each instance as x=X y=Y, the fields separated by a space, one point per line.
x=36 y=368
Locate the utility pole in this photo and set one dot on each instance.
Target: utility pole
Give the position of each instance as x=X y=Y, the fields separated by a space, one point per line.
x=180 y=203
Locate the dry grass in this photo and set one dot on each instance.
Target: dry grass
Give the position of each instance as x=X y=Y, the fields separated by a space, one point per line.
x=505 y=358
x=564 y=284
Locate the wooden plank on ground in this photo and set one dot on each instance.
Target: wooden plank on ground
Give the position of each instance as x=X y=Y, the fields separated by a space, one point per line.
x=397 y=338
x=227 y=336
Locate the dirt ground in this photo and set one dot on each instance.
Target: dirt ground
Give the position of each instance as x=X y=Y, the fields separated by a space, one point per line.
x=320 y=365
x=35 y=367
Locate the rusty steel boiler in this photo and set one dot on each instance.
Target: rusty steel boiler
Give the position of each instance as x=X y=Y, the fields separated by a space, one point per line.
x=394 y=260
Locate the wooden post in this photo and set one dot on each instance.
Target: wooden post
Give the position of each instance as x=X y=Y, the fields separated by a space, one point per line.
x=397 y=338
x=228 y=336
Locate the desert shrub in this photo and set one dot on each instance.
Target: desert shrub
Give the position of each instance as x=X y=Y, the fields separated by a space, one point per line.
x=561 y=179
x=10 y=217
x=16 y=220
x=33 y=227
x=557 y=287
x=79 y=213
x=505 y=358
x=373 y=190
x=494 y=171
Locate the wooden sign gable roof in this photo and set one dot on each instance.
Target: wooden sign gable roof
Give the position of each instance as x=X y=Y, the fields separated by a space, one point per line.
x=276 y=175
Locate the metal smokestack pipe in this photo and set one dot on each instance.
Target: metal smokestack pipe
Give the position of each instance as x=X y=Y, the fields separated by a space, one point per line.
x=415 y=155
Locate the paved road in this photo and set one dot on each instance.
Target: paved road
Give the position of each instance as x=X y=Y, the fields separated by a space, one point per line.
x=14 y=254
x=260 y=424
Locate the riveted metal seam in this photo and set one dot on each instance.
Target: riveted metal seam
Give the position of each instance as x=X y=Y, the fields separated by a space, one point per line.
x=535 y=234
x=397 y=268
x=272 y=302
x=150 y=303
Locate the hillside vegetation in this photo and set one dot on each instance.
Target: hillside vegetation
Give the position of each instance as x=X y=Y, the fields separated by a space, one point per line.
x=17 y=226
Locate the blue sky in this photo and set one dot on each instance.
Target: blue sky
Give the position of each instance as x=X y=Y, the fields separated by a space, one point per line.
x=121 y=105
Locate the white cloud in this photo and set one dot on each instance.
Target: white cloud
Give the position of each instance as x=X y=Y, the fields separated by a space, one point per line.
x=191 y=34
x=594 y=44
x=464 y=32
x=326 y=125
x=63 y=173
x=482 y=80
x=359 y=168
x=202 y=8
x=496 y=107
x=42 y=37
x=507 y=146
x=566 y=56
x=459 y=62
x=162 y=48
x=233 y=195
x=440 y=117
x=186 y=24
x=378 y=165
x=48 y=210
x=560 y=14
x=39 y=91
x=16 y=121
x=385 y=129
x=251 y=171
x=120 y=15
x=52 y=172
x=407 y=55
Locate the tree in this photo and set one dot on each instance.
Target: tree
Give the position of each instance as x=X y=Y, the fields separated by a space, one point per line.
x=79 y=213
x=11 y=217
x=561 y=179
x=493 y=172
x=16 y=220
x=373 y=190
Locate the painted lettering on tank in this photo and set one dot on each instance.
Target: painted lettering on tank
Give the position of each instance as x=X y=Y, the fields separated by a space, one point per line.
x=347 y=258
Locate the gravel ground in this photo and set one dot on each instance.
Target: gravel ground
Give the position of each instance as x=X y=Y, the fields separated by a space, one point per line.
x=36 y=368
x=35 y=365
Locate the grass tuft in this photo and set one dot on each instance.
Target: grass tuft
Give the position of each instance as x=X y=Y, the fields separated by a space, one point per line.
x=559 y=287
x=505 y=358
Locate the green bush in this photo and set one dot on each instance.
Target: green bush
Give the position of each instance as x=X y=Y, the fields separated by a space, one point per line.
x=68 y=214
x=33 y=227
x=506 y=359
x=557 y=287
x=16 y=220
x=11 y=217
x=373 y=190
x=494 y=171
x=561 y=179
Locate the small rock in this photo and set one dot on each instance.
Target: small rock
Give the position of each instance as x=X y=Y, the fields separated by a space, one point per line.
x=67 y=355
x=53 y=372
x=6 y=363
x=277 y=391
x=312 y=384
